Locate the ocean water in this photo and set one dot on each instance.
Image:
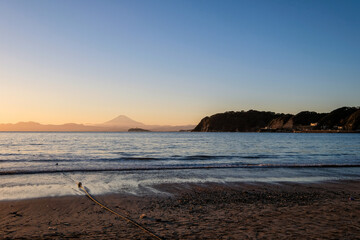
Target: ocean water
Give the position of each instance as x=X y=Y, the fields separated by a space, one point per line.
x=50 y=164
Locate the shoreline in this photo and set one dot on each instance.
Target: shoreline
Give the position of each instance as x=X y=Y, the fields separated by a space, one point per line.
x=191 y=211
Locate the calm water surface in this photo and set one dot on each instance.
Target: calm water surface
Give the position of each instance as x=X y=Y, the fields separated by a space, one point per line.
x=50 y=164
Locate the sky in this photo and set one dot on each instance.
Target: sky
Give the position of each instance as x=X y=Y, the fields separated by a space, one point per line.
x=175 y=62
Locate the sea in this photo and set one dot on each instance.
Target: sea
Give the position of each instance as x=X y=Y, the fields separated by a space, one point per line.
x=47 y=164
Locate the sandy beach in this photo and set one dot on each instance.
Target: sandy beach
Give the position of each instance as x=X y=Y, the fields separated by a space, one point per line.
x=327 y=210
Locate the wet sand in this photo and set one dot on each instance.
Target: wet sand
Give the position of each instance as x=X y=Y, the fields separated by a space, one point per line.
x=328 y=210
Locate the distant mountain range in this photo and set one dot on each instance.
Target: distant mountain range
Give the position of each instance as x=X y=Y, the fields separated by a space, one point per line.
x=119 y=124
x=345 y=119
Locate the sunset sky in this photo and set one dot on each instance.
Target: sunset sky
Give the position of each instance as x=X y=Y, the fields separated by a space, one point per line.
x=174 y=62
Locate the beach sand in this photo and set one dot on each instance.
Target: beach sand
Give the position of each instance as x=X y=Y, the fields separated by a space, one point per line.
x=195 y=211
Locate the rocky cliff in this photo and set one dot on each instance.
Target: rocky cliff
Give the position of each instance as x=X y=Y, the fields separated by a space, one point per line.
x=343 y=119
x=249 y=121
x=296 y=122
x=281 y=122
x=338 y=118
x=353 y=121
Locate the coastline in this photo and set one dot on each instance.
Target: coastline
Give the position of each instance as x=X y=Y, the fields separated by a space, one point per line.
x=193 y=211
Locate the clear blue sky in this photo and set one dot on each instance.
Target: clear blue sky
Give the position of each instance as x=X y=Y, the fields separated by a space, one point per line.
x=175 y=61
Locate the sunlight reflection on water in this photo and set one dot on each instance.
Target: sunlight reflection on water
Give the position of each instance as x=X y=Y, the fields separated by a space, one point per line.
x=41 y=152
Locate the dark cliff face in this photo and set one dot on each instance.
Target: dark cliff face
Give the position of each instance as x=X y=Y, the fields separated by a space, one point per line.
x=353 y=122
x=296 y=122
x=249 y=121
x=338 y=117
x=281 y=122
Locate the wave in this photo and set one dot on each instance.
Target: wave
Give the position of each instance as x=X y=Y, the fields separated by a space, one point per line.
x=176 y=167
x=204 y=157
x=135 y=158
x=11 y=154
x=210 y=157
